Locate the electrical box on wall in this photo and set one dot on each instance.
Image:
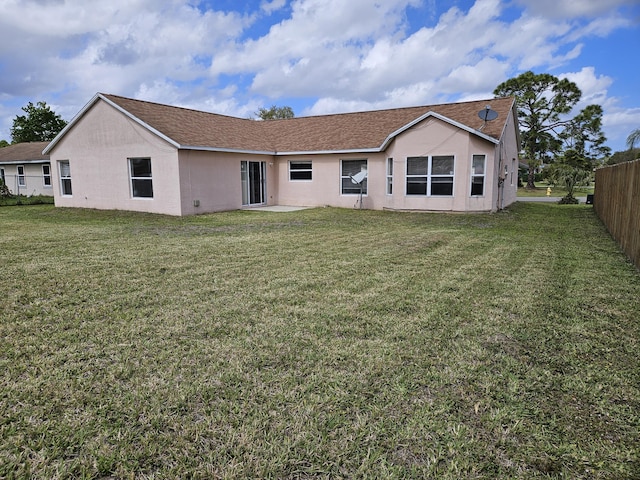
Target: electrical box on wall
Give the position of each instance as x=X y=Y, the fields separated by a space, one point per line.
x=196 y=203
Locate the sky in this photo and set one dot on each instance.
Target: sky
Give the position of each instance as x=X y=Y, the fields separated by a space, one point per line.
x=317 y=56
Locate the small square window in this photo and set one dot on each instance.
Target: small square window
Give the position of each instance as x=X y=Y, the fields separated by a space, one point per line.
x=300 y=170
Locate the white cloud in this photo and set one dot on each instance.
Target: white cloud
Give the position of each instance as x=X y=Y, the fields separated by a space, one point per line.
x=572 y=8
x=337 y=55
x=594 y=88
x=272 y=6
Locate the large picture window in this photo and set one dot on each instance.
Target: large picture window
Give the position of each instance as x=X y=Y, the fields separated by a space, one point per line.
x=300 y=170
x=477 y=175
x=141 y=180
x=65 y=177
x=430 y=175
x=349 y=170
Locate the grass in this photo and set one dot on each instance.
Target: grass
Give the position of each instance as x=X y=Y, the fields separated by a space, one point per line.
x=323 y=343
x=556 y=191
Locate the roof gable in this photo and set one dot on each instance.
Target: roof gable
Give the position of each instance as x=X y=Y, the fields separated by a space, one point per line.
x=368 y=131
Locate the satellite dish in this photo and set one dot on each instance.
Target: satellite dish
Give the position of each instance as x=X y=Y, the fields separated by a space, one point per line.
x=487 y=114
x=359 y=177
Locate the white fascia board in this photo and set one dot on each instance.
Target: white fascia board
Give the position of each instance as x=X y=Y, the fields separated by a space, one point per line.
x=70 y=125
x=140 y=122
x=279 y=154
x=329 y=152
x=25 y=162
x=439 y=117
x=226 y=150
x=91 y=103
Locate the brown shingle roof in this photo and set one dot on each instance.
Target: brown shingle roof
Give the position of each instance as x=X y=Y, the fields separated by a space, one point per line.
x=22 y=152
x=338 y=132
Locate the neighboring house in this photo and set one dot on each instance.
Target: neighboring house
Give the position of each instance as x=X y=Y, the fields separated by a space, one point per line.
x=120 y=153
x=25 y=170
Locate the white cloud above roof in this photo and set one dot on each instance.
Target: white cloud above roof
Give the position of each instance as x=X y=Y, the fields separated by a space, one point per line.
x=320 y=56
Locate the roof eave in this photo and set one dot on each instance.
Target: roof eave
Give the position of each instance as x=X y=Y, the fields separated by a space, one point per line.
x=25 y=162
x=89 y=105
x=226 y=150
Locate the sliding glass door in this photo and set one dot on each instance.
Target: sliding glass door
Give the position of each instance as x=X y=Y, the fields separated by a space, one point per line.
x=253 y=175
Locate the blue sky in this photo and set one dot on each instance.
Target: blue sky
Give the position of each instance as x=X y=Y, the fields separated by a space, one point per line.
x=317 y=56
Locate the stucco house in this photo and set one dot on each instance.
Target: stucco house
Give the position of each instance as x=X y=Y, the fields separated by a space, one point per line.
x=25 y=170
x=121 y=153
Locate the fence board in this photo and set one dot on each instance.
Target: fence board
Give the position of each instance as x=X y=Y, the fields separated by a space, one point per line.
x=617 y=203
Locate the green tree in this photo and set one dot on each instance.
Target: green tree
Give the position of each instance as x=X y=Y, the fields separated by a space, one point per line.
x=583 y=134
x=275 y=112
x=4 y=143
x=633 y=138
x=542 y=100
x=571 y=170
x=40 y=124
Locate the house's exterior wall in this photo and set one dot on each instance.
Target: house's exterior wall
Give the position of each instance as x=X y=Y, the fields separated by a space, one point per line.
x=98 y=149
x=510 y=148
x=325 y=187
x=211 y=181
x=431 y=137
x=34 y=178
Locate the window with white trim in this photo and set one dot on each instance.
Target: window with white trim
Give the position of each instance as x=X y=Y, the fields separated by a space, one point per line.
x=141 y=180
x=348 y=169
x=389 y=176
x=300 y=170
x=46 y=175
x=65 y=177
x=478 y=165
x=22 y=180
x=430 y=176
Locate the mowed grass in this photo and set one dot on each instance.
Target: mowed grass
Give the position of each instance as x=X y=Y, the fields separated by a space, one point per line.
x=323 y=343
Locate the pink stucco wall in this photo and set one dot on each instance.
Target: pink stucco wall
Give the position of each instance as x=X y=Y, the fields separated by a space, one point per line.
x=431 y=137
x=189 y=182
x=211 y=181
x=98 y=148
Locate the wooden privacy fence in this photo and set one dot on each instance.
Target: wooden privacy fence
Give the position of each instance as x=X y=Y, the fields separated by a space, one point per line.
x=617 y=203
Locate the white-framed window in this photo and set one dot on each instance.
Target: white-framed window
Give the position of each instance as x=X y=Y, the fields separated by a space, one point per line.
x=389 y=176
x=65 y=177
x=46 y=175
x=353 y=177
x=431 y=176
x=141 y=179
x=2 y=175
x=478 y=166
x=22 y=179
x=300 y=170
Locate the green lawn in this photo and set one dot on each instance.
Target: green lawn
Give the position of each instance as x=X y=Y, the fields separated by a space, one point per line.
x=323 y=343
x=556 y=191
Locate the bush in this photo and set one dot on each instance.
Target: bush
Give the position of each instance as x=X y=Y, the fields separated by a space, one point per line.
x=11 y=200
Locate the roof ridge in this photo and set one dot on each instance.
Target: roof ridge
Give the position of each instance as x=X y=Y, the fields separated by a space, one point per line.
x=409 y=107
x=166 y=105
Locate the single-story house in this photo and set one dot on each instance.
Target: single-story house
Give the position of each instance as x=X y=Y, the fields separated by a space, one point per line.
x=25 y=170
x=126 y=154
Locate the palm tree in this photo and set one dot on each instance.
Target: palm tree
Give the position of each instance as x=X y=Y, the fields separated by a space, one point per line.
x=633 y=138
